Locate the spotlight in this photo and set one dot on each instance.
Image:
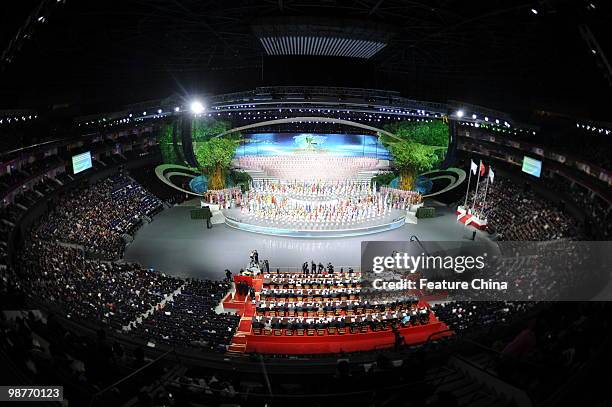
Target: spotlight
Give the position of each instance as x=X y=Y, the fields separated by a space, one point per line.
x=474 y=116
x=177 y=109
x=159 y=111
x=534 y=11
x=459 y=113
x=196 y=107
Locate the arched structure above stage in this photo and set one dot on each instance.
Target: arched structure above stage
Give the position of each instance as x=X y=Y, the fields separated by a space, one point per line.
x=166 y=171
x=453 y=176
x=316 y=119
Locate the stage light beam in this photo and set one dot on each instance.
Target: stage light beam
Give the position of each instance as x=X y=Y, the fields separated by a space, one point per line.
x=196 y=107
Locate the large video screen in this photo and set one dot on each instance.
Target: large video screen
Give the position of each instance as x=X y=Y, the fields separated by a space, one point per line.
x=532 y=166
x=345 y=145
x=81 y=162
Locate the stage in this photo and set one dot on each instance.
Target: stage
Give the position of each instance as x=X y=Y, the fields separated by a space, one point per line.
x=175 y=244
x=234 y=218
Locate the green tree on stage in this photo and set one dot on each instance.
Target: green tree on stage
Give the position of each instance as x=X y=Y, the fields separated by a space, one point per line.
x=412 y=159
x=416 y=148
x=215 y=156
x=203 y=128
x=428 y=133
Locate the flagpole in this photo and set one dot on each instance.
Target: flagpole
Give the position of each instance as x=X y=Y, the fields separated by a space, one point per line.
x=468 y=189
x=484 y=203
x=477 y=182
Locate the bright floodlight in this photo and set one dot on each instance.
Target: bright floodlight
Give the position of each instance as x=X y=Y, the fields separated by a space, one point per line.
x=196 y=107
x=459 y=113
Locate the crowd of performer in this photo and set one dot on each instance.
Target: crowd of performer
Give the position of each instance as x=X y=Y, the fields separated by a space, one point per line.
x=317 y=190
x=225 y=198
x=399 y=198
x=340 y=211
x=331 y=202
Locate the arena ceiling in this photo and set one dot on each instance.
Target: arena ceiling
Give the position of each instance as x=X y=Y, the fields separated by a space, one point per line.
x=504 y=54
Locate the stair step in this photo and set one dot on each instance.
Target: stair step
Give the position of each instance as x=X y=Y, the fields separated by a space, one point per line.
x=239 y=340
x=237 y=348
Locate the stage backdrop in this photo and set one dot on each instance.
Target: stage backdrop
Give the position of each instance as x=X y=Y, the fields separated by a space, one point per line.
x=344 y=145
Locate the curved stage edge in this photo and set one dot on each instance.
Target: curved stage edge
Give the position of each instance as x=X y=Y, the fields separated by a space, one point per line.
x=315 y=234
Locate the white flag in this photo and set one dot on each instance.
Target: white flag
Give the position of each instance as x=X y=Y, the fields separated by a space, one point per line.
x=473 y=167
x=491 y=175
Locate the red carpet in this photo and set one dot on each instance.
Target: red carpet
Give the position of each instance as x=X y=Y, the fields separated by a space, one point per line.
x=296 y=345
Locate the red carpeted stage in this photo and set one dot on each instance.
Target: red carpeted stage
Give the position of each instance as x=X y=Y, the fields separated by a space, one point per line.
x=336 y=343
x=246 y=341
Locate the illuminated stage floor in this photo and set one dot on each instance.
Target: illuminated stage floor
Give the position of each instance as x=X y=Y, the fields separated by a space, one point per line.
x=176 y=244
x=240 y=221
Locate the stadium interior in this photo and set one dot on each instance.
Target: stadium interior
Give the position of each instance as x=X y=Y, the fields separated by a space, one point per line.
x=295 y=202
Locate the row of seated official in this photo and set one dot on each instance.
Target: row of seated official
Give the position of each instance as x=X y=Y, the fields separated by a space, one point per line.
x=292 y=298
x=336 y=273
x=312 y=283
x=355 y=324
x=344 y=307
x=310 y=291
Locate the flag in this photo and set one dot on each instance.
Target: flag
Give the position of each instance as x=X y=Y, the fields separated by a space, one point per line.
x=491 y=175
x=482 y=169
x=473 y=167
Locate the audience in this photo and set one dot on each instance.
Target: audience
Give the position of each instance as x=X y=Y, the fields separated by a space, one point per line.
x=191 y=318
x=466 y=316
x=111 y=293
x=597 y=211
x=127 y=297
x=61 y=266
x=514 y=213
x=98 y=216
